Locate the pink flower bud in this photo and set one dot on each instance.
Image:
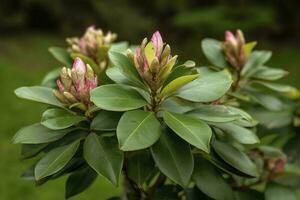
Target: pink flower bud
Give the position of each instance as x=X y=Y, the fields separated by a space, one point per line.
x=158 y=43
x=83 y=80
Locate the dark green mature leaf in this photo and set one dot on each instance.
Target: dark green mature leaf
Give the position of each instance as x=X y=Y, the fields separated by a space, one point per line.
x=167 y=192
x=176 y=105
x=239 y=133
x=106 y=121
x=213 y=51
x=39 y=94
x=214 y=113
x=255 y=60
x=192 y=130
x=138 y=130
x=208 y=87
x=249 y=195
x=80 y=181
x=173 y=157
x=210 y=181
x=55 y=160
x=139 y=166
x=56 y=119
x=37 y=133
x=268 y=73
x=115 y=74
x=62 y=55
x=31 y=150
x=116 y=97
x=104 y=156
x=280 y=192
x=127 y=67
x=235 y=158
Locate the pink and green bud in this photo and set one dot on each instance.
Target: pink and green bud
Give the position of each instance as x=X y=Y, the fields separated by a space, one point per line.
x=234 y=48
x=74 y=85
x=153 y=60
x=93 y=44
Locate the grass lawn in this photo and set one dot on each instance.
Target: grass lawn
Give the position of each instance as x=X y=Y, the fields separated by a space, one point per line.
x=23 y=62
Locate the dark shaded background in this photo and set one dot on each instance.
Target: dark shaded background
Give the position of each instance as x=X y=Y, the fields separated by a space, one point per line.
x=29 y=27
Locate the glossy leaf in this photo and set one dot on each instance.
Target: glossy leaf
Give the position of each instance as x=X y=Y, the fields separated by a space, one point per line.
x=210 y=181
x=37 y=133
x=106 y=121
x=235 y=158
x=214 y=113
x=213 y=51
x=240 y=134
x=56 y=119
x=104 y=156
x=138 y=130
x=173 y=157
x=55 y=160
x=208 y=87
x=192 y=130
x=39 y=94
x=116 y=97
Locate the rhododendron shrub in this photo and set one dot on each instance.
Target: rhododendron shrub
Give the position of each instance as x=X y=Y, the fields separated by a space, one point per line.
x=163 y=128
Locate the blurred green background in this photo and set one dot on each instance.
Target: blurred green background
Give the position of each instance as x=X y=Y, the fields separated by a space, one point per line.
x=29 y=27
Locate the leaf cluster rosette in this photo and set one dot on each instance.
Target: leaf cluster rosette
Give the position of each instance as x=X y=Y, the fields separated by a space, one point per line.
x=174 y=130
x=256 y=89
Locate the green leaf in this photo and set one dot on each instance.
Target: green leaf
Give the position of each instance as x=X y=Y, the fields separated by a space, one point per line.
x=268 y=73
x=50 y=79
x=116 y=97
x=115 y=74
x=249 y=194
x=126 y=66
x=268 y=101
x=138 y=130
x=57 y=119
x=62 y=55
x=275 y=86
x=37 y=133
x=179 y=71
x=31 y=150
x=106 y=121
x=214 y=113
x=235 y=158
x=280 y=192
x=119 y=46
x=213 y=51
x=79 y=181
x=104 y=156
x=55 y=160
x=249 y=47
x=177 y=83
x=173 y=157
x=255 y=60
x=39 y=94
x=208 y=87
x=240 y=134
x=210 y=181
x=166 y=192
x=140 y=165
x=192 y=130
